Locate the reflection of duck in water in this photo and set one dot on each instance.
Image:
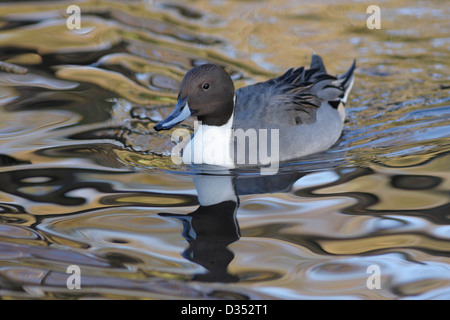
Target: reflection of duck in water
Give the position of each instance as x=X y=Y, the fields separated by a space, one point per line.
x=213 y=226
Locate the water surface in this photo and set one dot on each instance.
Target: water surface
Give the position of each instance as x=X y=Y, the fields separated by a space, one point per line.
x=86 y=181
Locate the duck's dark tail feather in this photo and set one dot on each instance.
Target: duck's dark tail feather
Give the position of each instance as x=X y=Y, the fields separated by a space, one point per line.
x=310 y=87
x=317 y=63
x=345 y=81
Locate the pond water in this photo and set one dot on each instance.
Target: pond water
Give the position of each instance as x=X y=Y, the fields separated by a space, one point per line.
x=86 y=181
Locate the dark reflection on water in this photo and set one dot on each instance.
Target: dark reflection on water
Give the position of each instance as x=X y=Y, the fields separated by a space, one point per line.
x=85 y=180
x=209 y=230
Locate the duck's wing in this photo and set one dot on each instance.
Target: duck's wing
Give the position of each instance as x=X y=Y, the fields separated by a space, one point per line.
x=294 y=97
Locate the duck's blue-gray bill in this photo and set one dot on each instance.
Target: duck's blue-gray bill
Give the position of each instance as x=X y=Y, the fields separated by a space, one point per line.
x=179 y=114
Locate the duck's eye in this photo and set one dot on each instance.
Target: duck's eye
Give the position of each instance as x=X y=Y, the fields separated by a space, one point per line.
x=206 y=86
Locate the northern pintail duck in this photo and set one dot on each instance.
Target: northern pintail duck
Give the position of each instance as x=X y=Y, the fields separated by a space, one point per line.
x=304 y=106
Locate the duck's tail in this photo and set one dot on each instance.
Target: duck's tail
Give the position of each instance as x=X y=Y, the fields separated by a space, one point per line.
x=337 y=90
x=346 y=80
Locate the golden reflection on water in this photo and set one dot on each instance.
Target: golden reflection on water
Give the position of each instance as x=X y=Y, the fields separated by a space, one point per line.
x=85 y=180
x=114 y=82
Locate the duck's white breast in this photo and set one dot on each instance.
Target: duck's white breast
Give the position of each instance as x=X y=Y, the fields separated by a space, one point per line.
x=210 y=145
